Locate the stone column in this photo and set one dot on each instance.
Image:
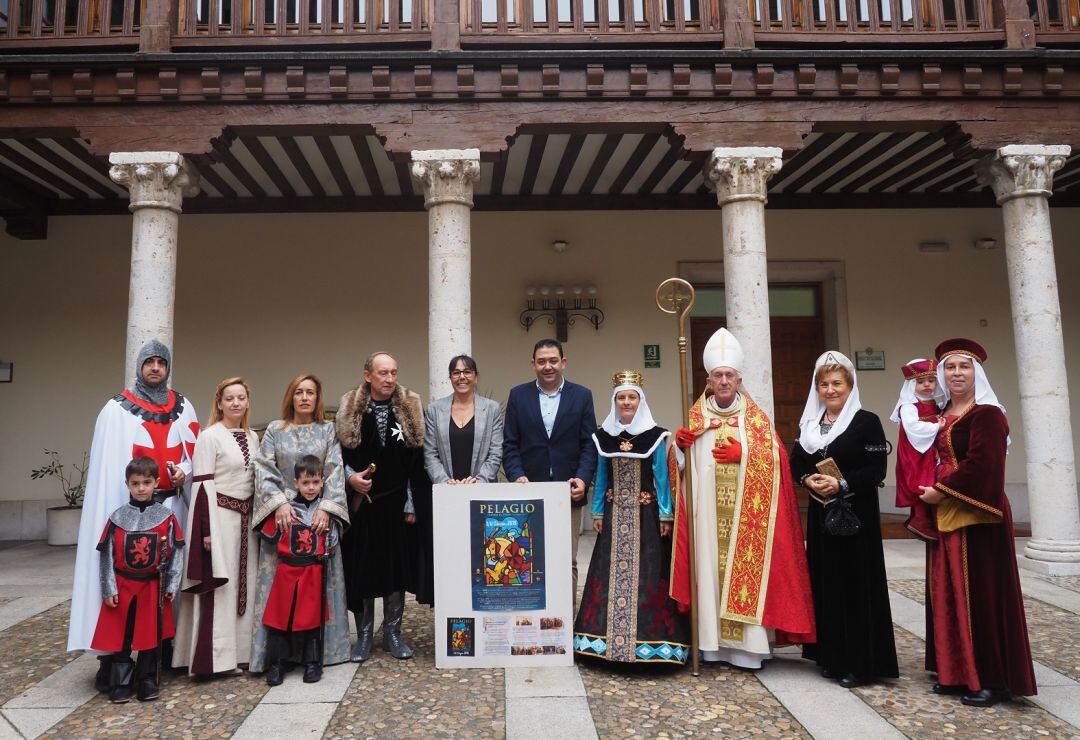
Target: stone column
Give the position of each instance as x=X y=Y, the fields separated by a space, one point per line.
x=448 y=177
x=1021 y=177
x=740 y=176
x=158 y=182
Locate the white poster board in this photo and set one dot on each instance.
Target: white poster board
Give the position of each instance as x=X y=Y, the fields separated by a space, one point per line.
x=502 y=575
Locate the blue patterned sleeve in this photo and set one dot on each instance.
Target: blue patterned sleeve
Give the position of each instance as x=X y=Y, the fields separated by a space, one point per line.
x=600 y=486
x=662 y=482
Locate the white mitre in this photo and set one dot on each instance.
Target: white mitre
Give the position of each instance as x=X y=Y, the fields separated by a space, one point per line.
x=723 y=350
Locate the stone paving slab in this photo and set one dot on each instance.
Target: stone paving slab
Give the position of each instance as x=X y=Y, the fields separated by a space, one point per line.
x=1055 y=641
x=21 y=608
x=68 y=688
x=285 y=721
x=664 y=701
x=549 y=718
x=335 y=682
x=910 y=706
x=31 y=722
x=33 y=650
x=390 y=698
x=523 y=683
x=187 y=708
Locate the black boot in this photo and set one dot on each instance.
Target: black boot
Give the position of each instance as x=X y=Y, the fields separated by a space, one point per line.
x=312 y=660
x=104 y=673
x=393 y=611
x=275 y=674
x=121 y=680
x=146 y=676
x=365 y=632
x=984 y=698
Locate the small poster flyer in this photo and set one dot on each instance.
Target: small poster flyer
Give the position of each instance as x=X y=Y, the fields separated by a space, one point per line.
x=460 y=637
x=524 y=635
x=507 y=547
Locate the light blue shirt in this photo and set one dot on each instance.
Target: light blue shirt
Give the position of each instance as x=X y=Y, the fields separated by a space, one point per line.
x=549 y=406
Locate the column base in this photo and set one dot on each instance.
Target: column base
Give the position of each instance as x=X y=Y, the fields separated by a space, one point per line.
x=1045 y=568
x=1051 y=557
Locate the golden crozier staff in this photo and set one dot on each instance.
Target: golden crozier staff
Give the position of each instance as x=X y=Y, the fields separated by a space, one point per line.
x=676 y=296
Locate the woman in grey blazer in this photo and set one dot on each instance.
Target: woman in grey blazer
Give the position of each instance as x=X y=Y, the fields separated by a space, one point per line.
x=463 y=432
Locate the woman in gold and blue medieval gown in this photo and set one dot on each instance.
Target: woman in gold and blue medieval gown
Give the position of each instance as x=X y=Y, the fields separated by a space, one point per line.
x=626 y=613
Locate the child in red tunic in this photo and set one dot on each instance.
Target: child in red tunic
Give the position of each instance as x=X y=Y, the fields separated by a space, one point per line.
x=918 y=414
x=139 y=551
x=296 y=608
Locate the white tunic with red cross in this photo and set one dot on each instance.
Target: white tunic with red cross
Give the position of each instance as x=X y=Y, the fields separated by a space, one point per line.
x=127 y=427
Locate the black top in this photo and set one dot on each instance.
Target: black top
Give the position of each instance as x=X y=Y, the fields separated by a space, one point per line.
x=461 y=446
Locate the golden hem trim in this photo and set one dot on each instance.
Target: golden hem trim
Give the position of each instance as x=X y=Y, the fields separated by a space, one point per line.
x=968 y=500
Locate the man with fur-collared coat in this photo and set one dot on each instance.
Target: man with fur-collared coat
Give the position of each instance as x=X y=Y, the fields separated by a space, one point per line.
x=387 y=550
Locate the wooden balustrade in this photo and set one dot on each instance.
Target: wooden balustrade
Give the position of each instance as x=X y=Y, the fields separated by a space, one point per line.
x=63 y=22
x=179 y=24
x=557 y=20
x=355 y=20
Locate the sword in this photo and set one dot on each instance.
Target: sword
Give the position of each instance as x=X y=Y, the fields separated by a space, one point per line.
x=676 y=296
x=162 y=567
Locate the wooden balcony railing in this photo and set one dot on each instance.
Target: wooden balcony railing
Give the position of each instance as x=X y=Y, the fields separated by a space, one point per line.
x=75 y=22
x=552 y=20
x=163 y=25
x=357 y=21
x=963 y=20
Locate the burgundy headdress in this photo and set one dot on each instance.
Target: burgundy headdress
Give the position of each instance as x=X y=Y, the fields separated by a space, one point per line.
x=920 y=369
x=960 y=346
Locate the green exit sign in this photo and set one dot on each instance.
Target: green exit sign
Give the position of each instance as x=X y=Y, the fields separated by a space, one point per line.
x=652 y=355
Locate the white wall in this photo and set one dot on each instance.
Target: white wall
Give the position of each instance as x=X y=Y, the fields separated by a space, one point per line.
x=269 y=296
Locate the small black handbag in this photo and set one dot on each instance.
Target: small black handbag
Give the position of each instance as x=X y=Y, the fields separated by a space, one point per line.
x=840 y=519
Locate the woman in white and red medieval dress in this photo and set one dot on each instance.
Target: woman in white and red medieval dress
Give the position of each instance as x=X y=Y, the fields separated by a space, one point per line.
x=214 y=630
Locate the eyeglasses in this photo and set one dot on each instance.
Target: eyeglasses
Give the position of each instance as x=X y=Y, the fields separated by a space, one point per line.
x=462 y=373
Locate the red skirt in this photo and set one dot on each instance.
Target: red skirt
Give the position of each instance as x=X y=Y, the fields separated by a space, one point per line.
x=109 y=635
x=300 y=585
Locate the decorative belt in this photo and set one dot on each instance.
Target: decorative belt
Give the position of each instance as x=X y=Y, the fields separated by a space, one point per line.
x=302 y=560
x=644 y=498
x=243 y=507
x=151 y=576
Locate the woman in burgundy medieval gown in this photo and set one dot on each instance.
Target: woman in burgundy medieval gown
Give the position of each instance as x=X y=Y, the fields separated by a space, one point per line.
x=980 y=643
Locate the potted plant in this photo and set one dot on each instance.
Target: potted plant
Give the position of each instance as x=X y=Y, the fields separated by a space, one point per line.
x=62 y=522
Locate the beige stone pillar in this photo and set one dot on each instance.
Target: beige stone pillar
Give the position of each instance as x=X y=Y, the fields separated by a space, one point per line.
x=1022 y=177
x=740 y=176
x=158 y=183
x=448 y=177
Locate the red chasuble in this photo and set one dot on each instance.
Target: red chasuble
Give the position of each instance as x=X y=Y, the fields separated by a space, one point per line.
x=137 y=562
x=914 y=469
x=980 y=632
x=779 y=574
x=298 y=580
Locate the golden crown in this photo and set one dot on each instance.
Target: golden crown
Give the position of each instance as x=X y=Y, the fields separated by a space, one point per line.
x=627 y=377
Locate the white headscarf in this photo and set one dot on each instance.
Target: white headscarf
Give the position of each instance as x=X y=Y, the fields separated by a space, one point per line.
x=810 y=437
x=642 y=421
x=909 y=396
x=984 y=394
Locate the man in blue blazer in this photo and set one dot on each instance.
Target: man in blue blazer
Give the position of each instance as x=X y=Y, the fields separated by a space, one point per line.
x=547 y=435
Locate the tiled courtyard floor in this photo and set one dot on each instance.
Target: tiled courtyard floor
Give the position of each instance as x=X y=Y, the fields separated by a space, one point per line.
x=43 y=690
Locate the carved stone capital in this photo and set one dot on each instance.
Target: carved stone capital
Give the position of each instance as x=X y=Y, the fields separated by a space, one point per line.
x=1020 y=171
x=742 y=173
x=154 y=179
x=447 y=175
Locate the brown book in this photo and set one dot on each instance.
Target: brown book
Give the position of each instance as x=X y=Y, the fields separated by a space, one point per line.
x=828 y=466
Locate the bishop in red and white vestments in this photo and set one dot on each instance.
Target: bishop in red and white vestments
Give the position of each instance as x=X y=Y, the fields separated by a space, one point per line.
x=143 y=421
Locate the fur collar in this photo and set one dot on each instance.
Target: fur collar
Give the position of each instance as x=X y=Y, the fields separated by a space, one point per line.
x=404 y=403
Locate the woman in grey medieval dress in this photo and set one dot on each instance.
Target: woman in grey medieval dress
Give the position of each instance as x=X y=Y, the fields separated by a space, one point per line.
x=300 y=431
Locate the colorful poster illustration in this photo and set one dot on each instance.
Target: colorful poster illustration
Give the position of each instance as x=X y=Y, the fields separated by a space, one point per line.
x=460 y=636
x=507 y=546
